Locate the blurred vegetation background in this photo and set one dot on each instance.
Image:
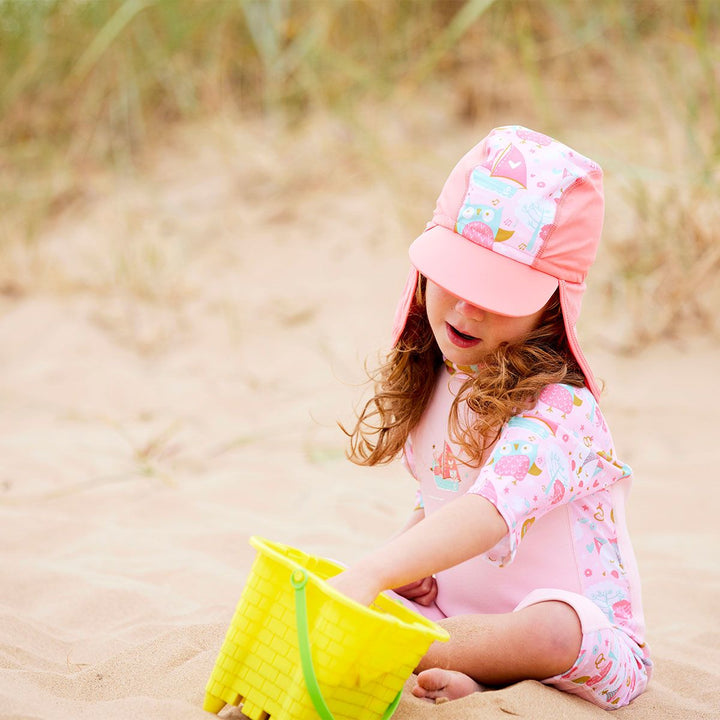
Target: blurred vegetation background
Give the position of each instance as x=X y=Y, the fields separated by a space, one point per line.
x=89 y=85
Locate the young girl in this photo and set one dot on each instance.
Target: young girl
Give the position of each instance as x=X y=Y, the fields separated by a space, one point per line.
x=518 y=544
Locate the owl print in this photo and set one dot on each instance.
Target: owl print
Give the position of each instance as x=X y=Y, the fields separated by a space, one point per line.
x=560 y=397
x=516 y=460
x=481 y=224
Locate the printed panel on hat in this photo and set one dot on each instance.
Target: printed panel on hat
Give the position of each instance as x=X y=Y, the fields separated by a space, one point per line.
x=512 y=197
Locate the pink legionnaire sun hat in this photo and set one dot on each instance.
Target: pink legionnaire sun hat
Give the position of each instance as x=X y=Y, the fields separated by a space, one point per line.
x=519 y=216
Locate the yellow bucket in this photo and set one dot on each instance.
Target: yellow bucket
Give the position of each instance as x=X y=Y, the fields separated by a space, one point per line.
x=297 y=649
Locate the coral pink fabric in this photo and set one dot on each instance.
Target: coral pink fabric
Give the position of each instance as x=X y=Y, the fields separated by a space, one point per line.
x=519 y=216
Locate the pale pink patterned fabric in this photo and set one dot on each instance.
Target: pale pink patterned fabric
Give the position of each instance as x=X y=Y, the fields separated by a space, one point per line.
x=555 y=477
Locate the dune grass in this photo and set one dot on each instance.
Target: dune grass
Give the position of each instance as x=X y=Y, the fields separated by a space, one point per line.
x=91 y=84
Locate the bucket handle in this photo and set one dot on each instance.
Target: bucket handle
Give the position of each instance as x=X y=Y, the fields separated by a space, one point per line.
x=298 y=579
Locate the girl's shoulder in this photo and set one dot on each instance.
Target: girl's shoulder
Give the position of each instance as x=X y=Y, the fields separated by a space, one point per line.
x=565 y=399
x=574 y=409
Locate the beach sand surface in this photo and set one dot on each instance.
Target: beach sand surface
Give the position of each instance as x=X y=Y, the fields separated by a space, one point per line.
x=176 y=353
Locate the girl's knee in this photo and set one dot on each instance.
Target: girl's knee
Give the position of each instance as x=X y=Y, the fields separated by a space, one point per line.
x=554 y=632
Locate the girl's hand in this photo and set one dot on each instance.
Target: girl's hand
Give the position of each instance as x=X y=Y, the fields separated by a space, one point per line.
x=465 y=527
x=423 y=592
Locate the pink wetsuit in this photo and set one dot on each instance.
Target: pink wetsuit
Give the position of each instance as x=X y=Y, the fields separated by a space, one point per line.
x=555 y=478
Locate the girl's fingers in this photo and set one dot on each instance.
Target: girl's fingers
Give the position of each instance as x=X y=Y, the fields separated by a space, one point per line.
x=428 y=598
x=422 y=591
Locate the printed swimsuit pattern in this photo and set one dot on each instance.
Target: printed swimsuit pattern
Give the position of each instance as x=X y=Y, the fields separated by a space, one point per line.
x=610 y=670
x=554 y=476
x=561 y=452
x=555 y=454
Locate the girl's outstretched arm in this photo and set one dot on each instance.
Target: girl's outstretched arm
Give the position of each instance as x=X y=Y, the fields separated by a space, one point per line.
x=458 y=531
x=424 y=590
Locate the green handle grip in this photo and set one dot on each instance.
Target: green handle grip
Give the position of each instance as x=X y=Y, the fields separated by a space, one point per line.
x=299 y=579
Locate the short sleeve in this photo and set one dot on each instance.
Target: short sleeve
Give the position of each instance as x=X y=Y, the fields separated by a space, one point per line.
x=544 y=459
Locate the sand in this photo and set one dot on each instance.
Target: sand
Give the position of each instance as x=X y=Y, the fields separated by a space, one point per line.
x=176 y=350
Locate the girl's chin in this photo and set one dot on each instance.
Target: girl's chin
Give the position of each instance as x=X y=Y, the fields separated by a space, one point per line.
x=463 y=356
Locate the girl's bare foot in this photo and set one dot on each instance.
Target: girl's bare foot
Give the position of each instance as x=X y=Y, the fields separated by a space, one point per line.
x=438 y=684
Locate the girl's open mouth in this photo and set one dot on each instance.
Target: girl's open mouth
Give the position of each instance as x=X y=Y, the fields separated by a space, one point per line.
x=460 y=339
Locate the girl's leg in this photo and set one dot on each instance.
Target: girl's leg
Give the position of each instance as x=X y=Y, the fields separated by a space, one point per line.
x=536 y=642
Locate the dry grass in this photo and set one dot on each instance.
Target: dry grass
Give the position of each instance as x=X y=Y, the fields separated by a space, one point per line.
x=89 y=88
x=668 y=265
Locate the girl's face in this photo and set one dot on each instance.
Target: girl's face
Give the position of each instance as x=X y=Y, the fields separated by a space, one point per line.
x=466 y=333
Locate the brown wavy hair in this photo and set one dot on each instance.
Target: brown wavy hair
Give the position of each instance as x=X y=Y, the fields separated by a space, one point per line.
x=509 y=381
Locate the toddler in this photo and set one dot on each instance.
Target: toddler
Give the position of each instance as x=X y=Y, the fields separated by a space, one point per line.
x=518 y=543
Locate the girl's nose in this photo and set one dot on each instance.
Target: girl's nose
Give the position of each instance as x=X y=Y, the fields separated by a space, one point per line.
x=469 y=310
